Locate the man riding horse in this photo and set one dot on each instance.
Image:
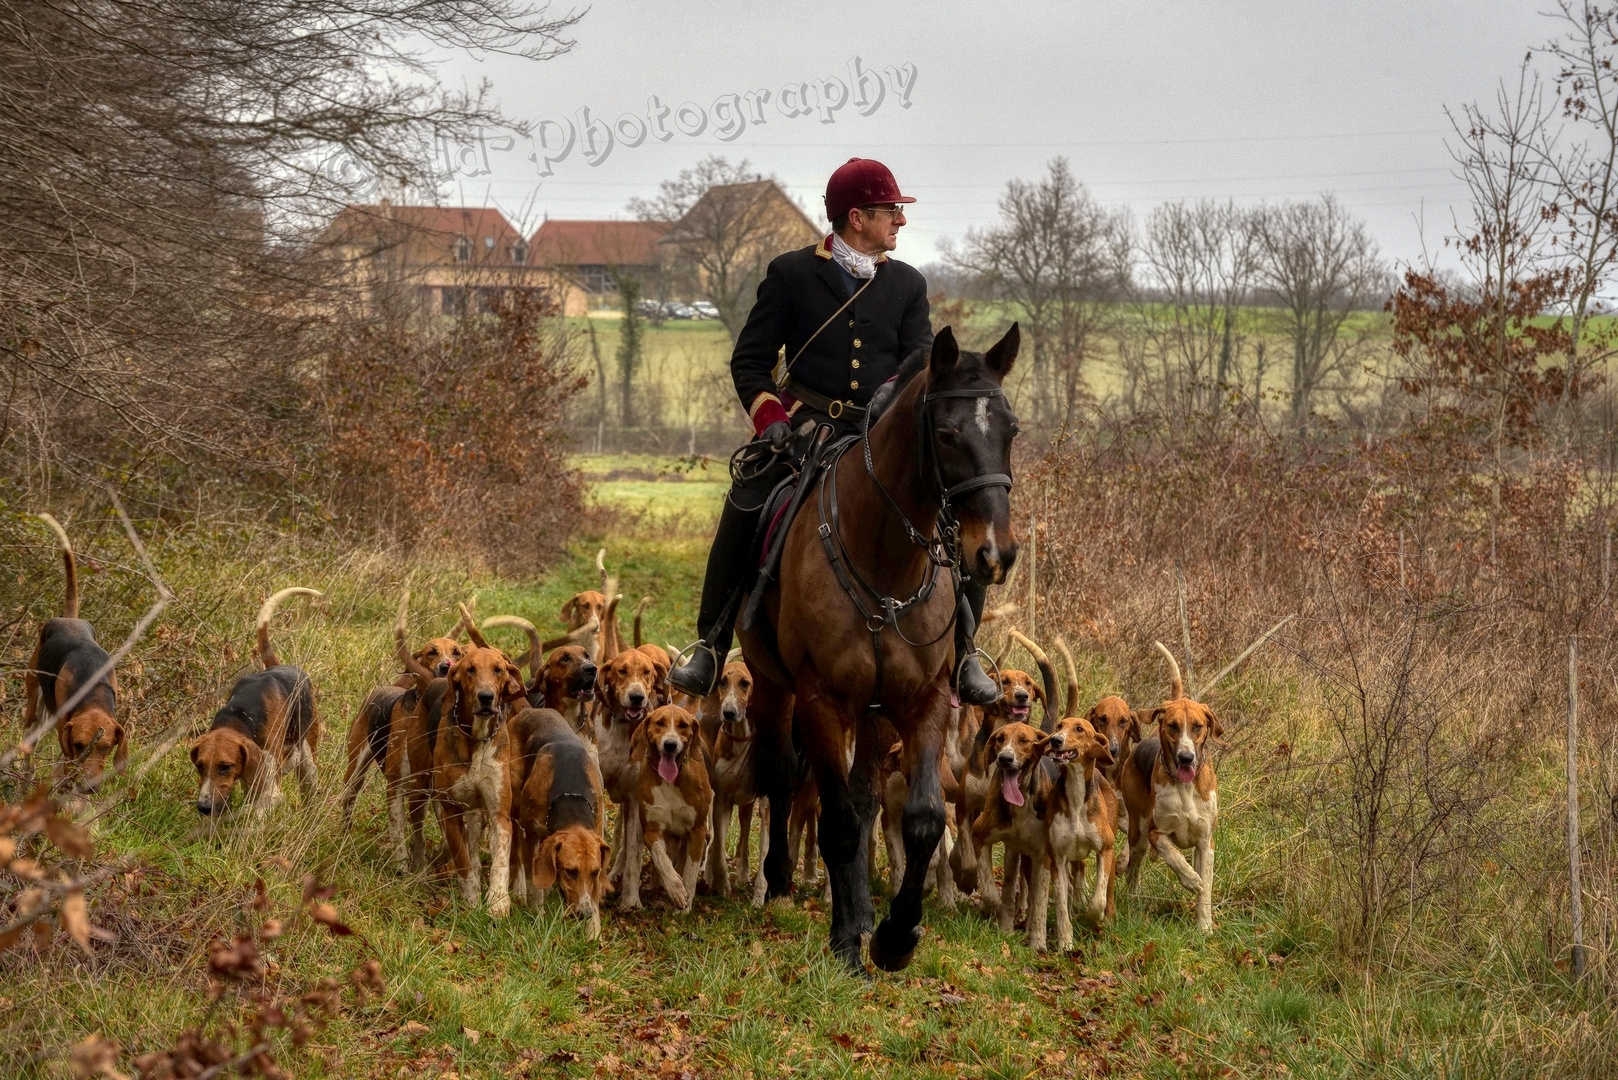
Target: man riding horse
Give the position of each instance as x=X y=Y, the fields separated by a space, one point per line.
x=838 y=318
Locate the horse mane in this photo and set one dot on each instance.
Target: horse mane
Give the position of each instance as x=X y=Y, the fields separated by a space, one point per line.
x=889 y=392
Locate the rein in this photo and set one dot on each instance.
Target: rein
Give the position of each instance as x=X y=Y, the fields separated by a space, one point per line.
x=943 y=548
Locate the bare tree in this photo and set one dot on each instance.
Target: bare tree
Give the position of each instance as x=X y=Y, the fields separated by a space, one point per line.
x=160 y=164
x=1321 y=265
x=727 y=223
x=1202 y=260
x=1059 y=256
x=1580 y=168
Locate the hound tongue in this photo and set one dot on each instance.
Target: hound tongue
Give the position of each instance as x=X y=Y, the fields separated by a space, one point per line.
x=1009 y=789
x=1185 y=774
x=668 y=769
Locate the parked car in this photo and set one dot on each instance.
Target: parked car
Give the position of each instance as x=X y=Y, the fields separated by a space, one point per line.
x=674 y=310
x=704 y=309
x=649 y=309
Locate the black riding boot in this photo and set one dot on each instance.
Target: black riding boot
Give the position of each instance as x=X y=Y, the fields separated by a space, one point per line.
x=972 y=685
x=730 y=571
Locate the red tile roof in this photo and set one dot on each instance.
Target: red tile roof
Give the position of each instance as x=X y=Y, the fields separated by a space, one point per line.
x=426 y=235
x=598 y=243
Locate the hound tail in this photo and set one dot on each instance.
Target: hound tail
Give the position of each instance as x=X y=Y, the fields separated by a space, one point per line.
x=1176 y=684
x=640 y=609
x=573 y=637
x=70 y=606
x=470 y=625
x=526 y=627
x=267 y=657
x=1072 y=677
x=612 y=643
x=1046 y=673
x=601 y=569
x=401 y=647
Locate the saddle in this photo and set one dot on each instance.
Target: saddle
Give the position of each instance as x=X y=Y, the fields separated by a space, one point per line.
x=808 y=454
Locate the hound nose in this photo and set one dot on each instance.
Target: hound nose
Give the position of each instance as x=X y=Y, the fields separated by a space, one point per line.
x=728 y=714
x=205 y=808
x=486 y=699
x=671 y=746
x=637 y=698
x=1020 y=697
x=588 y=671
x=1186 y=758
x=443 y=668
x=1007 y=757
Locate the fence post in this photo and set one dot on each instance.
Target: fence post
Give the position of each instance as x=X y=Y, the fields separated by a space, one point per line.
x=1033 y=571
x=1185 y=622
x=1573 y=804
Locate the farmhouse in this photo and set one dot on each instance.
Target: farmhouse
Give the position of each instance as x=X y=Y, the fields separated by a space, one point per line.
x=595 y=255
x=734 y=227
x=440 y=260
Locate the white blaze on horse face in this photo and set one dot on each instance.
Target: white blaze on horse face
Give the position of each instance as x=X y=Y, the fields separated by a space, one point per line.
x=982 y=416
x=992 y=552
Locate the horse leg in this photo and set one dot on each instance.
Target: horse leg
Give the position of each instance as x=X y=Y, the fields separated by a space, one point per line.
x=820 y=724
x=774 y=761
x=869 y=748
x=894 y=943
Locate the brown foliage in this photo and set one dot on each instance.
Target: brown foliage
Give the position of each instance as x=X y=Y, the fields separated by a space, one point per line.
x=1486 y=353
x=454 y=436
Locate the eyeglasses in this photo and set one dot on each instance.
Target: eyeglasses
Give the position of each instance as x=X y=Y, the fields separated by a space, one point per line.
x=892 y=208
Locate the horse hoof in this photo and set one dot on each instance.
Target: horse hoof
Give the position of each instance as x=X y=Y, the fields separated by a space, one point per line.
x=892 y=948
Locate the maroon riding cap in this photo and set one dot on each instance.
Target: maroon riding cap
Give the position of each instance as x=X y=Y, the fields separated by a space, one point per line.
x=861 y=182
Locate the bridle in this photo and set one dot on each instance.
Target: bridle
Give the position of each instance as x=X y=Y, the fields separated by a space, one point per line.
x=943 y=548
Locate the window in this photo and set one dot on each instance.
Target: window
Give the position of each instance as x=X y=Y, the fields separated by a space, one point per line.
x=452 y=301
x=463 y=250
x=519 y=252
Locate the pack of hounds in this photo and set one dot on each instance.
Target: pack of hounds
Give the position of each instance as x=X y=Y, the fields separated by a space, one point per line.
x=527 y=767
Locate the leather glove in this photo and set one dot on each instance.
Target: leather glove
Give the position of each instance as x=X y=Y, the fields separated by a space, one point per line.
x=777 y=434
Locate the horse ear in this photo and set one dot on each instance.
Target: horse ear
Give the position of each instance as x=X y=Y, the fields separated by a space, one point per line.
x=945 y=352
x=1004 y=353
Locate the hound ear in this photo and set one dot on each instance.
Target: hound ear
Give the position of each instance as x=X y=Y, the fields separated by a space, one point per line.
x=193 y=753
x=945 y=353
x=1102 y=752
x=544 y=875
x=1134 y=725
x=252 y=760
x=121 y=741
x=568 y=609
x=1003 y=353
x=1156 y=715
x=1215 y=728
x=1039 y=694
x=514 y=686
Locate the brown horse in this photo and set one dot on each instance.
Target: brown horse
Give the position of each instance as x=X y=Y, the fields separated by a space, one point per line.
x=859 y=625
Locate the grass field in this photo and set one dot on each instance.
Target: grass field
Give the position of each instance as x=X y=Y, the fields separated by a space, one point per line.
x=727 y=990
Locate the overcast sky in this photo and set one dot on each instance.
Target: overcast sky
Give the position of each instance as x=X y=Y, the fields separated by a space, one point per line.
x=1150 y=102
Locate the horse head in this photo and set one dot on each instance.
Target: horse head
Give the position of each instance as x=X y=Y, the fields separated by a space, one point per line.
x=971 y=426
